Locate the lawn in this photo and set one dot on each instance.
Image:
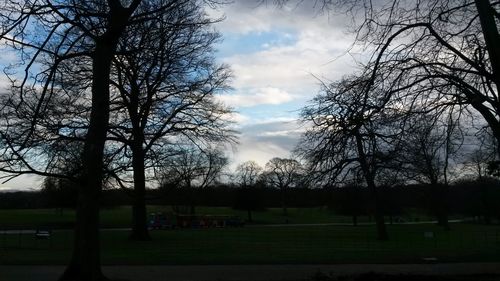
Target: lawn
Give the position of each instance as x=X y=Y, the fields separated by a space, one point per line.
x=121 y=216
x=269 y=245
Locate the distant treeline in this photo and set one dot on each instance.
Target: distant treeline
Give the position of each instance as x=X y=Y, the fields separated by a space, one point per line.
x=467 y=197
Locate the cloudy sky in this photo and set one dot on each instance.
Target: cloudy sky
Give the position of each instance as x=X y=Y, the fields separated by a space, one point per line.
x=277 y=56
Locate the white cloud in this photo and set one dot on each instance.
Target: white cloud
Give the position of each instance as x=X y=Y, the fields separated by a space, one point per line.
x=260 y=141
x=294 y=66
x=268 y=95
x=23 y=182
x=318 y=51
x=317 y=48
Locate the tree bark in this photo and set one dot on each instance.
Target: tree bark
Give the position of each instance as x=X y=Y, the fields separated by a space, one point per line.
x=379 y=215
x=491 y=36
x=492 y=39
x=85 y=262
x=139 y=211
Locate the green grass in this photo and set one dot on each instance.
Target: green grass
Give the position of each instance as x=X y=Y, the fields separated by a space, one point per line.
x=269 y=245
x=121 y=216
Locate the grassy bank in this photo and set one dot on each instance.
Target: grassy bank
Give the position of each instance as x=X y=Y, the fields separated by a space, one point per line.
x=269 y=245
x=121 y=216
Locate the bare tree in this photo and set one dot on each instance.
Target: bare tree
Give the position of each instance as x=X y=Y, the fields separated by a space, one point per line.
x=247 y=175
x=283 y=174
x=440 y=53
x=51 y=37
x=430 y=144
x=193 y=168
x=352 y=132
x=163 y=90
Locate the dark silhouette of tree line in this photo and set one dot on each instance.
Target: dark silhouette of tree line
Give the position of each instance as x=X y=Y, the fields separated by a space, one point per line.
x=101 y=90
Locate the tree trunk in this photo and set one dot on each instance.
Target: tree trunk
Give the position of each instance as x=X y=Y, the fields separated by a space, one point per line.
x=491 y=36
x=249 y=212
x=355 y=220
x=379 y=215
x=85 y=261
x=492 y=39
x=442 y=205
x=139 y=212
x=370 y=181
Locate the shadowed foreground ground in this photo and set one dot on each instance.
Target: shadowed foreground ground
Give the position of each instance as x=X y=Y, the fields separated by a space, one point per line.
x=482 y=271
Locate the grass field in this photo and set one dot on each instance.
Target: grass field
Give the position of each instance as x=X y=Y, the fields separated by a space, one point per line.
x=121 y=216
x=269 y=245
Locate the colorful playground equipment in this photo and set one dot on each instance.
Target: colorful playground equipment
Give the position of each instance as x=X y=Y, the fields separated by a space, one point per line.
x=161 y=221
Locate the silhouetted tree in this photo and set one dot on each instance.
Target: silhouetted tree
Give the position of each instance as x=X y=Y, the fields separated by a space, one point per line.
x=283 y=174
x=193 y=168
x=54 y=39
x=352 y=132
x=247 y=176
x=60 y=193
x=432 y=45
x=163 y=90
x=429 y=145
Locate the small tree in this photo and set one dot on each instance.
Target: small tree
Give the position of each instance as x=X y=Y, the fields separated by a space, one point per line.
x=283 y=174
x=192 y=168
x=247 y=176
x=352 y=132
x=429 y=145
x=164 y=90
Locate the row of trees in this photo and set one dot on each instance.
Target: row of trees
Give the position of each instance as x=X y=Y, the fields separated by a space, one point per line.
x=434 y=66
x=104 y=92
x=252 y=188
x=92 y=79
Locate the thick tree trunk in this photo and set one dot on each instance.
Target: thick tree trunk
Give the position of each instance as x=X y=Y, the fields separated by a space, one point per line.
x=441 y=204
x=249 y=213
x=492 y=39
x=491 y=36
x=85 y=262
x=379 y=215
x=139 y=212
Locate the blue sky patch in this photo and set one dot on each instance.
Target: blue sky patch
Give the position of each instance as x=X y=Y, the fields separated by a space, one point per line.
x=252 y=42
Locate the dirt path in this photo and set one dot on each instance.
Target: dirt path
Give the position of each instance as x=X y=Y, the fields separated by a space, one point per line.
x=247 y=272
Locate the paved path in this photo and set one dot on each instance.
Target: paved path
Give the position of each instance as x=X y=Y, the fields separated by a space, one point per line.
x=247 y=272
